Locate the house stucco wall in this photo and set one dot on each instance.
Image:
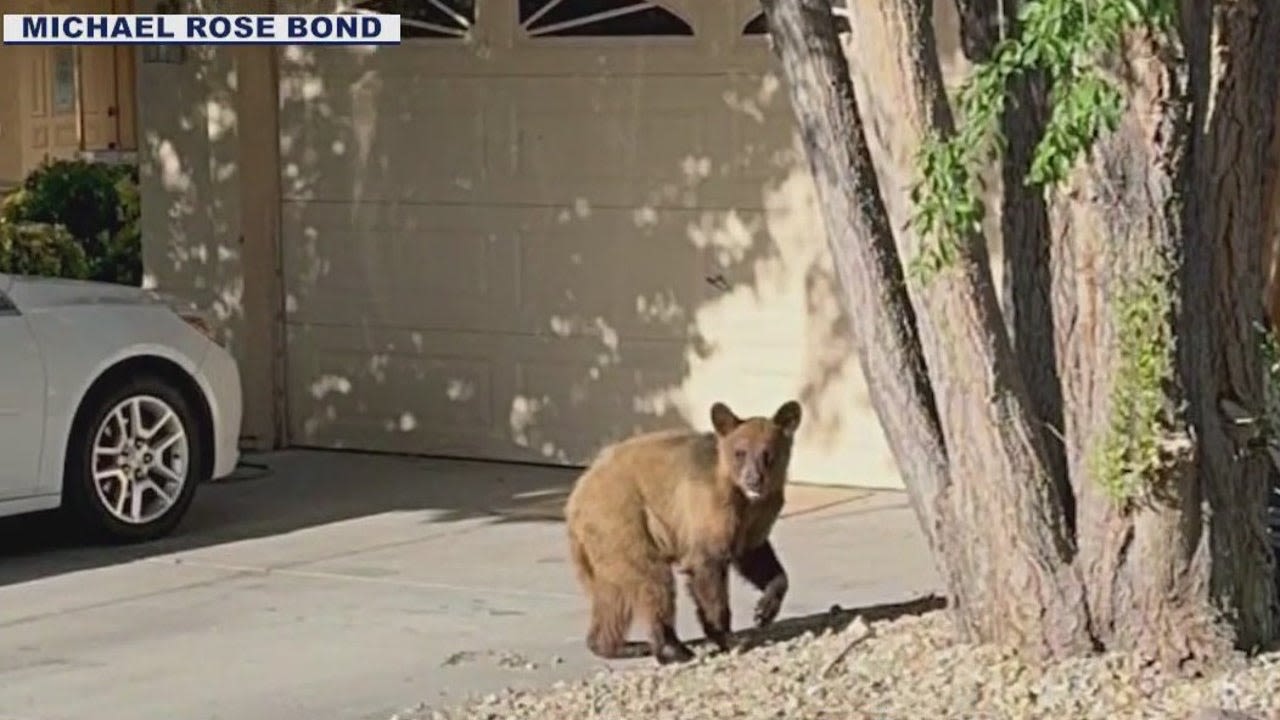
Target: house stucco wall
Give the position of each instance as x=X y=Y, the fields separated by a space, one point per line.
x=201 y=239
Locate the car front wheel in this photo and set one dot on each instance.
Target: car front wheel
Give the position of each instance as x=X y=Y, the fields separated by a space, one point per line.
x=134 y=465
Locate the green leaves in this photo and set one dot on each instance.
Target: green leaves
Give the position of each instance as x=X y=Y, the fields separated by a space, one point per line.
x=97 y=203
x=1131 y=453
x=1085 y=107
x=1068 y=40
x=41 y=249
x=947 y=206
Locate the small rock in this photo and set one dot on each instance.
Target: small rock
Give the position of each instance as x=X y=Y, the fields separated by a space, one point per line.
x=458 y=658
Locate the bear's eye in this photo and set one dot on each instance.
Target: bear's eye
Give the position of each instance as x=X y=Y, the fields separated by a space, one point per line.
x=740 y=454
x=766 y=457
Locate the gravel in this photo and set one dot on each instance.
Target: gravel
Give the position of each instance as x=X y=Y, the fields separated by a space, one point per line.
x=906 y=668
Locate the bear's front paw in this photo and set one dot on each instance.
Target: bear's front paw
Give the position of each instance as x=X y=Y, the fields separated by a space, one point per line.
x=767 y=608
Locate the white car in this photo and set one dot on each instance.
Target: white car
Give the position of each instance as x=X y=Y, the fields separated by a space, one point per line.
x=114 y=404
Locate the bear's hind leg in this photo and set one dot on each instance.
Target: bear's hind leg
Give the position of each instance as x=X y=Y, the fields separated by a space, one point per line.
x=656 y=602
x=610 y=621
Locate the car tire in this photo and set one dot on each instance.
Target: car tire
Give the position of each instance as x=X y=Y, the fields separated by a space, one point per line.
x=160 y=461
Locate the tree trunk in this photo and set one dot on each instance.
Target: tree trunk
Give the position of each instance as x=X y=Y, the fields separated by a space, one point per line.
x=1024 y=233
x=1005 y=545
x=1271 y=196
x=1175 y=180
x=883 y=319
x=1236 y=78
x=1121 y=224
x=1150 y=258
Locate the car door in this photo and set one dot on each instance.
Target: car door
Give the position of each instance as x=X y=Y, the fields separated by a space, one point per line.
x=22 y=403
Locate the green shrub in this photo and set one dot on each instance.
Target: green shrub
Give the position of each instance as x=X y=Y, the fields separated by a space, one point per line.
x=28 y=248
x=121 y=260
x=98 y=205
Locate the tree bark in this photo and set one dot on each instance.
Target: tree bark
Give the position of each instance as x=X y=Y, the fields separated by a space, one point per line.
x=1122 y=220
x=883 y=319
x=1024 y=232
x=1271 y=196
x=1177 y=180
x=1235 y=51
x=1006 y=549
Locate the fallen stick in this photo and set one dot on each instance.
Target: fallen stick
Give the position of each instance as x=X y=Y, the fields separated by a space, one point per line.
x=864 y=632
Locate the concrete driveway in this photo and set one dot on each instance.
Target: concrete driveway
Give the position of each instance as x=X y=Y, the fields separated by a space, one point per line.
x=344 y=586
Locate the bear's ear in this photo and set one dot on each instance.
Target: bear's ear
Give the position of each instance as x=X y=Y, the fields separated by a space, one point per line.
x=723 y=419
x=787 y=418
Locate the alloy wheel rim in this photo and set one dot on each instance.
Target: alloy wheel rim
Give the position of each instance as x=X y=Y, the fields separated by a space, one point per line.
x=140 y=459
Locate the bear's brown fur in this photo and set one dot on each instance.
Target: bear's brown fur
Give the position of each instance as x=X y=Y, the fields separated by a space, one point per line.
x=699 y=501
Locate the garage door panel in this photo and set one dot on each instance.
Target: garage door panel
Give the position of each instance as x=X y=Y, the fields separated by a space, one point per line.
x=548 y=152
x=423 y=267
x=765 y=149
x=670 y=265
x=579 y=277
x=390 y=389
x=588 y=277
x=486 y=395
x=660 y=141
x=488 y=269
x=571 y=397
x=650 y=140
x=658 y=157
x=351 y=287
x=766 y=157
x=637 y=94
x=344 y=136
x=536 y=59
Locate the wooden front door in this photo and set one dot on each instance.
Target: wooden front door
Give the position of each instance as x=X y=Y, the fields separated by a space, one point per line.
x=107 y=92
x=49 y=85
x=77 y=97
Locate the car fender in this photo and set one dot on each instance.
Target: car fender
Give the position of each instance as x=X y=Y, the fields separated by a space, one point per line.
x=184 y=347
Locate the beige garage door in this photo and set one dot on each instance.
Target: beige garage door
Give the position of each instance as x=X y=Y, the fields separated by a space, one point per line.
x=534 y=229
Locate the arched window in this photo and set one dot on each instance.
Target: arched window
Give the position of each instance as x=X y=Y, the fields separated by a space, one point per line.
x=756 y=25
x=599 y=18
x=426 y=18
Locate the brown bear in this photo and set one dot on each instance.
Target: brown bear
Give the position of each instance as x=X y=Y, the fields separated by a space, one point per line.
x=699 y=501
